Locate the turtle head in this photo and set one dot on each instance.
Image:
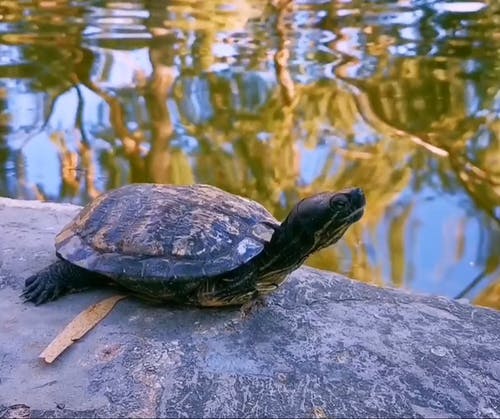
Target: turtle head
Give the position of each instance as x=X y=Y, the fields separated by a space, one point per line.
x=314 y=223
x=322 y=219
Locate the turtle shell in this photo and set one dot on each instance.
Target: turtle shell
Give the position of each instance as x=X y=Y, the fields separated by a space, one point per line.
x=163 y=232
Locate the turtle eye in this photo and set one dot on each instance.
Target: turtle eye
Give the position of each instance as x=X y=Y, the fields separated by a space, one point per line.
x=338 y=202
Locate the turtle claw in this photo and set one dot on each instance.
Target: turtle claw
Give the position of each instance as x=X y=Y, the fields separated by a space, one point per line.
x=42 y=287
x=55 y=280
x=35 y=290
x=38 y=293
x=30 y=280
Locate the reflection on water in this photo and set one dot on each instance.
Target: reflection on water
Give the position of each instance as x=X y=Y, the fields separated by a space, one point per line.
x=273 y=100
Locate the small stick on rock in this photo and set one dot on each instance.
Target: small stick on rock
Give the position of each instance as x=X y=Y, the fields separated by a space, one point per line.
x=78 y=327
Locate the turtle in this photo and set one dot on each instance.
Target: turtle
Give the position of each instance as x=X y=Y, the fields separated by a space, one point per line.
x=195 y=244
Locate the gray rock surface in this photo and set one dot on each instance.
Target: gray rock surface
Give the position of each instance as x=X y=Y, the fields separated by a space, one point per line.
x=323 y=345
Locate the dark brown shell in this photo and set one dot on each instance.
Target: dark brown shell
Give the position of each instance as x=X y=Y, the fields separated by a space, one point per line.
x=162 y=232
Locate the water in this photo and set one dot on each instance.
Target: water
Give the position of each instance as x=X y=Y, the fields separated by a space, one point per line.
x=274 y=101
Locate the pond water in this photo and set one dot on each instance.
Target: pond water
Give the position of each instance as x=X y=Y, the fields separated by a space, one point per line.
x=273 y=100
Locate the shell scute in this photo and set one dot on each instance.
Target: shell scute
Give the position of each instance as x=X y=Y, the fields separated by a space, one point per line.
x=162 y=232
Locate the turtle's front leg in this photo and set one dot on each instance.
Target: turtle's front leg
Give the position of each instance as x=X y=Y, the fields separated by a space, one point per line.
x=56 y=280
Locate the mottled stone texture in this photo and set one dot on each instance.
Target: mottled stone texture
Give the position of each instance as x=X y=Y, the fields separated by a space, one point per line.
x=322 y=345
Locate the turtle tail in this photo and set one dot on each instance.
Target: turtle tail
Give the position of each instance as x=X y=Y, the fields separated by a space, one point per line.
x=56 y=280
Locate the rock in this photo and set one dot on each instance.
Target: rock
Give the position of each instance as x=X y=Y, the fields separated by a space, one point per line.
x=322 y=345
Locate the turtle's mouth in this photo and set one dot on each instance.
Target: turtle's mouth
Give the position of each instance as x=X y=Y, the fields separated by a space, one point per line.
x=355 y=215
x=358 y=202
